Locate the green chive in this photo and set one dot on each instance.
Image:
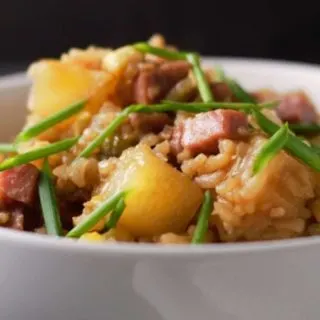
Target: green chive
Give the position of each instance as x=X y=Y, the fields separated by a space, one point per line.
x=116 y=214
x=100 y=212
x=270 y=149
x=166 y=107
x=163 y=53
x=106 y=133
x=193 y=58
x=294 y=144
x=50 y=121
x=316 y=149
x=203 y=85
x=48 y=202
x=235 y=87
x=220 y=75
x=239 y=92
x=7 y=148
x=203 y=219
x=37 y=153
x=305 y=128
x=202 y=106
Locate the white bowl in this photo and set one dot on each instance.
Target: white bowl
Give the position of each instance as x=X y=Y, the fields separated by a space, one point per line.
x=45 y=278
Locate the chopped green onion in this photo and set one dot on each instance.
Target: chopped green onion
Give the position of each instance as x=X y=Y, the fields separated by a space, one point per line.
x=165 y=107
x=48 y=202
x=219 y=72
x=270 y=149
x=163 y=53
x=106 y=133
x=193 y=58
x=316 y=149
x=305 y=128
x=116 y=214
x=239 y=92
x=203 y=85
x=50 y=121
x=203 y=219
x=7 y=148
x=37 y=153
x=294 y=144
x=206 y=106
x=92 y=219
x=235 y=87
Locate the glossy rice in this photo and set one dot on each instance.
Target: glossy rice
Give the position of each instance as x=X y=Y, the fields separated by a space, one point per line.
x=282 y=201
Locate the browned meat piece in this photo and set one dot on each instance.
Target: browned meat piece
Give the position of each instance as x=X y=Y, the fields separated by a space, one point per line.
x=153 y=122
x=152 y=85
x=295 y=107
x=202 y=133
x=221 y=92
x=266 y=95
x=177 y=134
x=68 y=210
x=4 y=200
x=175 y=70
x=20 y=183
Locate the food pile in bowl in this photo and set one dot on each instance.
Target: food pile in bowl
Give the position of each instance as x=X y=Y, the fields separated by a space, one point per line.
x=143 y=144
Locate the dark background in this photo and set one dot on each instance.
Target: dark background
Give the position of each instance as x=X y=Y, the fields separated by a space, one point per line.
x=268 y=29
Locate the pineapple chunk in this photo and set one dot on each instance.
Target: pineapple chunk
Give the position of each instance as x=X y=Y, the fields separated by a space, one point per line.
x=117 y=60
x=57 y=85
x=90 y=58
x=93 y=237
x=161 y=199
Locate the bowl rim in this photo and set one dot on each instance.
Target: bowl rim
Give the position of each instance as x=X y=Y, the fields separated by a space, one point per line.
x=151 y=250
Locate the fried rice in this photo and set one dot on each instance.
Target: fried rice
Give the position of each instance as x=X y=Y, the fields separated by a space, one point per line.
x=164 y=161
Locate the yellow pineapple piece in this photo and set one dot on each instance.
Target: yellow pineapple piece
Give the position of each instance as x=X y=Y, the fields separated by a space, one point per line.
x=93 y=237
x=57 y=85
x=161 y=199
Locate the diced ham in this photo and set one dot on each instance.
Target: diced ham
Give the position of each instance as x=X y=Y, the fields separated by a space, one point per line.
x=202 y=133
x=152 y=85
x=177 y=134
x=266 y=95
x=295 y=107
x=4 y=200
x=174 y=70
x=152 y=122
x=19 y=184
x=221 y=92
